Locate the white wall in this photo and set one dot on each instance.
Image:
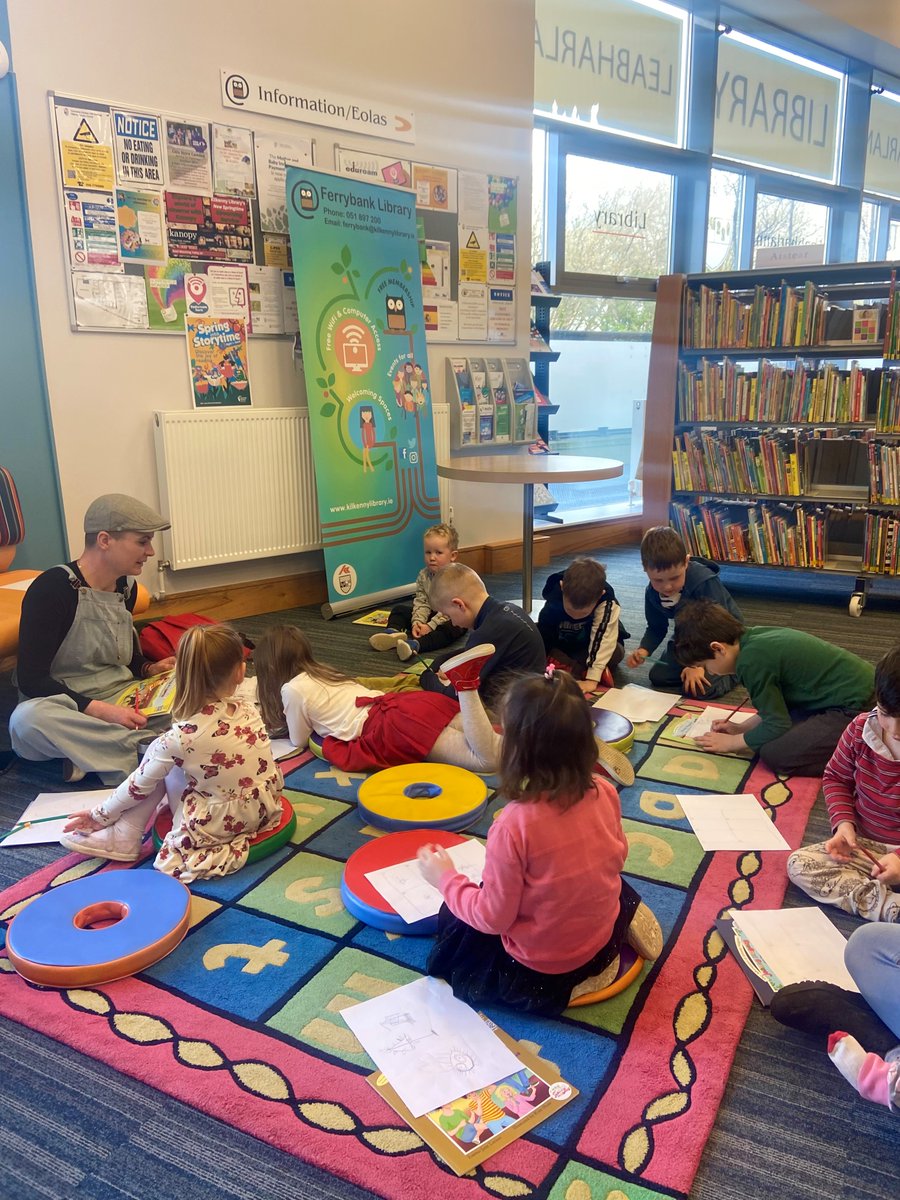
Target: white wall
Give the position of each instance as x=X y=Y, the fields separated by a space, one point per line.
x=466 y=71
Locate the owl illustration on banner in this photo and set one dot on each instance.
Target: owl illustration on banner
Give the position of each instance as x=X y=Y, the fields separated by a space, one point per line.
x=396 y=314
x=306 y=198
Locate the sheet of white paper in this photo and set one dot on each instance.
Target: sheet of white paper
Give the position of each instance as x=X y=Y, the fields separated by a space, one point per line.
x=59 y=805
x=637 y=703
x=431 y=1046
x=731 y=823
x=283 y=748
x=696 y=726
x=797 y=944
x=21 y=585
x=410 y=895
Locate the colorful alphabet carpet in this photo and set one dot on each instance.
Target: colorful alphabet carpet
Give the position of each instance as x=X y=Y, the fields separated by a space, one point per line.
x=243 y=1020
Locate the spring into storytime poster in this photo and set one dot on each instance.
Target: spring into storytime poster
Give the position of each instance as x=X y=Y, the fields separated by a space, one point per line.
x=359 y=293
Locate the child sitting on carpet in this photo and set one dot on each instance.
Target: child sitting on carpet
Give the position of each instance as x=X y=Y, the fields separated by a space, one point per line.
x=805 y=691
x=579 y=623
x=862 y=790
x=516 y=646
x=676 y=578
x=413 y=625
x=547 y=924
x=862 y=1028
x=363 y=729
x=223 y=783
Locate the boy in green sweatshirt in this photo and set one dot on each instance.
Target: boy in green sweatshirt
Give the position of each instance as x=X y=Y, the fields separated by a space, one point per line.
x=805 y=691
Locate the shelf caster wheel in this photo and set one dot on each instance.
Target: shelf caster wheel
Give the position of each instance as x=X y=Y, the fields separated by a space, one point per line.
x=857 y=604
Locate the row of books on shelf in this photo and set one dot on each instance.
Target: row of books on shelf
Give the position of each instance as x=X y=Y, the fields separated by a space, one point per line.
x=791 y=535
x=777 y=316
x=892 y=330
x=887 y=415
x=786 y=462
x=884 y=473
x=881 y=544
x=801 y=392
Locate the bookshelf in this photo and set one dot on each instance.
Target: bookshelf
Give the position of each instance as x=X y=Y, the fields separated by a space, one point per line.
x=774 y=438
x=542 y=355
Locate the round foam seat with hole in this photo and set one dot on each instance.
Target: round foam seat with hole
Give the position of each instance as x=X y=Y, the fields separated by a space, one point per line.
x=615 y=730
x=422 y=796
x=262 y=845
x=362 y=899
x=630 y=965
x=98 y=929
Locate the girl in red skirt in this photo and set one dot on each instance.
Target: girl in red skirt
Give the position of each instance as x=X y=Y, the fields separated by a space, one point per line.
x=364 y=730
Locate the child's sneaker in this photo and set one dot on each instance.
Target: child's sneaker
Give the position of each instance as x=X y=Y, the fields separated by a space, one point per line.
x=113 y=842
x=464 y=670
x=614 y=763
x=407 y=648
x=387 y=640
x=644 y=934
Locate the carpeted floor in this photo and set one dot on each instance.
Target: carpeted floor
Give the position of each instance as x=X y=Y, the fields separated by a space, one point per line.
x=74 y=1127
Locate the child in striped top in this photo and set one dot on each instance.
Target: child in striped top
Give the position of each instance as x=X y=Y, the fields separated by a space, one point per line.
x=858 y=868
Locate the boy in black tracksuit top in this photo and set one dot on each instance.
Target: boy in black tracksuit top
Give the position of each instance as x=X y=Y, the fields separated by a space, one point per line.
x=676 y=579
x=459 y=593
x=579 y=622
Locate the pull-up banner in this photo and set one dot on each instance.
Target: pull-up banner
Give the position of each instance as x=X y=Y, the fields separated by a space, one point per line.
x=359 y=296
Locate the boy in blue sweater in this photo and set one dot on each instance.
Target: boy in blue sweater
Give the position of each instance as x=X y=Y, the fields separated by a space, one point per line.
x=675 y=580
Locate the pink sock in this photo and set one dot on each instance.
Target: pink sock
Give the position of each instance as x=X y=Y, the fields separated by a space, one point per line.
x=868 y=1073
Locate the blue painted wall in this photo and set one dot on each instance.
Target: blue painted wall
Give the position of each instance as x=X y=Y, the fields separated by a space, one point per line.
x=26 y=445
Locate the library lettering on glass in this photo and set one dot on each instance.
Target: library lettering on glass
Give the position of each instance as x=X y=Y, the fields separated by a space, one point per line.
x=787 y=421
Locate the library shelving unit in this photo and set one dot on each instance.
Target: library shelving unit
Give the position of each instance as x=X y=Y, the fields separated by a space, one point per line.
x=543 y=302
x=773 y=436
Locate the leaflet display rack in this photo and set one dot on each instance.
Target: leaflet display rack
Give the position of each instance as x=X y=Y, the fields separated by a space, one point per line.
x=491 y=402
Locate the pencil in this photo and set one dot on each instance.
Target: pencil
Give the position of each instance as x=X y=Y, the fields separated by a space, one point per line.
x=868 y=853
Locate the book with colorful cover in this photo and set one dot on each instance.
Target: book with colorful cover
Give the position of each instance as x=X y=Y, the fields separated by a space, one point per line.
x=466 y=1131
x=378 y=617
x=151 y=697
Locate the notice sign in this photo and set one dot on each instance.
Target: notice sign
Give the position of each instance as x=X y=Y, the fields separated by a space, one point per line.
x=91 y=221
x=85 y=144
x=249 y=92
x=138 y=149
x=210 y=228
x=217 y=352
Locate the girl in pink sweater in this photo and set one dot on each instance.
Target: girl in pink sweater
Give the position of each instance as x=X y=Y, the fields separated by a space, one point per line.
x=552 y=913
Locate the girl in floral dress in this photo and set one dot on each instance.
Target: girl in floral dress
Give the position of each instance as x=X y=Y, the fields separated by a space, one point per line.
x=215 y=764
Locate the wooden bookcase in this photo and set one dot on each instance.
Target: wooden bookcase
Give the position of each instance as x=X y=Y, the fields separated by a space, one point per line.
x=779 y=446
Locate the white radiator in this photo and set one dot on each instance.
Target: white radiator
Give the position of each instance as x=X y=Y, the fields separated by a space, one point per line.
x=236 y=485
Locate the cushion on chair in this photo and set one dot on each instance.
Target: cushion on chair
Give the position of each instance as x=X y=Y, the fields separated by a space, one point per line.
x=12 y=523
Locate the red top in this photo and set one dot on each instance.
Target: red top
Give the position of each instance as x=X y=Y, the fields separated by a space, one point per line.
x=862 y=782
x=551 y=880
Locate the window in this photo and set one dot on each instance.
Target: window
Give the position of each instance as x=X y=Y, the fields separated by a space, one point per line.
x=723 y=229
x=788 y=232
x=893 y=249
x=538 y=195
x=600 y=384
x=868 y=232
x=617 y=219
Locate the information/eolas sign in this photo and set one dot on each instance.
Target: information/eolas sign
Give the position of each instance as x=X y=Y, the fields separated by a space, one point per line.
x=613 y=63
x=773 y=111
x=883 y=147
x=248 y=92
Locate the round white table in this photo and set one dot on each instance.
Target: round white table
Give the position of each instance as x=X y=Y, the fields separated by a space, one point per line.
x=528 y=469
